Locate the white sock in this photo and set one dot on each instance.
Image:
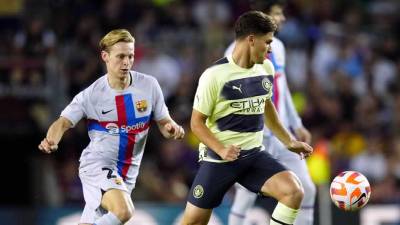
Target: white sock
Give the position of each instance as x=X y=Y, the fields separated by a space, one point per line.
x=243 y=201
x=108 y=219
x=306 y=213
x=283 y=215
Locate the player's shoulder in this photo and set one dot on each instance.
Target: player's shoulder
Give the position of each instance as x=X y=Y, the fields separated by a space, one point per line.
x=141 y=76
x=143 y=79
x=97 y=85
x=90 y=93
x=220 y=62
x=100 y=83
x=216 y=67
x=268 y=66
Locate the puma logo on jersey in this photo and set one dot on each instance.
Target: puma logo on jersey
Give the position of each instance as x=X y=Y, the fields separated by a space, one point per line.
x=237 y=88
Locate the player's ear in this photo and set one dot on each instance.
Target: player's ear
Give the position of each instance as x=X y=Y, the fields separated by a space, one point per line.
x=104 y=56
x=251 y=39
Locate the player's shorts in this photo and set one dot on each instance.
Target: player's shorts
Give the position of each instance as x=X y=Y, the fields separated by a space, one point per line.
x=251 y=170
x=95 y=183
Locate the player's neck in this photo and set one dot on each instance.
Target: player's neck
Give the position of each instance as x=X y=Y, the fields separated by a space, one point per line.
x=241 y=56
x=118 y=83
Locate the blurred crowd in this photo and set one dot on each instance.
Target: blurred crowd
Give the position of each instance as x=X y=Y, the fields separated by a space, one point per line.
x=343 y=67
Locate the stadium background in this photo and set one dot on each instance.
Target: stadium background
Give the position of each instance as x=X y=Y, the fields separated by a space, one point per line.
x=343 y=70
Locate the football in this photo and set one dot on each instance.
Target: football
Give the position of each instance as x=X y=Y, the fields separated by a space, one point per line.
x=350 y=191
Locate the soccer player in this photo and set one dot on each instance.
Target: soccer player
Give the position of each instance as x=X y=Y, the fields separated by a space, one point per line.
x=119 y=107
x=244 y=199
x=231 y=105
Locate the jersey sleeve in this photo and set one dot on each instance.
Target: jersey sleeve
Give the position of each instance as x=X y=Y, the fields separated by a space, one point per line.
x=269 y=67
x=160 y=109
x=75 y=111
x=206 y=94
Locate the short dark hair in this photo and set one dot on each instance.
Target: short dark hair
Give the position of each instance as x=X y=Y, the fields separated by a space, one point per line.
x=265 y=5
x=254 y=22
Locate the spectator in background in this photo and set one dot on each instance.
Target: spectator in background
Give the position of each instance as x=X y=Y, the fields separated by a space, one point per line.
x=163 y=67
x=32 y=46
x=36 y=40
x=370 y=159
x=326 y=53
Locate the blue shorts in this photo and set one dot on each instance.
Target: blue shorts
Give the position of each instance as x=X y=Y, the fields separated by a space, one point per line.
x=251 y=170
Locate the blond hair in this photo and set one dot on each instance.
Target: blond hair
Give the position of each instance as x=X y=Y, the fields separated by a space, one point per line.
x=113 y=37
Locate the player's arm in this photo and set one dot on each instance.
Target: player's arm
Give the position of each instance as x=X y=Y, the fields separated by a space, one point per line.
x=70 y=116
x=167 y=126
x=300 y=131
x=203 y=107
x=274 y=124
x=50 y=143
x=203 y=133
x=170 y=129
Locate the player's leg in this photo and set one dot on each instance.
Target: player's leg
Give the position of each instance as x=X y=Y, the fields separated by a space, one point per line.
x=195 y=215
x=306 y=214
x=286 y=188
x=270 y=178
x=243 y=201
x=211 y=183
x=119 y=206
x=299 y=167
x=106 y=196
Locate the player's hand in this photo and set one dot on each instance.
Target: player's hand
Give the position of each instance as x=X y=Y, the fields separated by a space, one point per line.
x=302 y=134
x=47 y=146
x=230 y=152
x=301 y=148
x=174 y=130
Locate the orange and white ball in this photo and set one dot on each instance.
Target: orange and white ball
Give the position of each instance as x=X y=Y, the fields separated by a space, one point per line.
x=350 y=191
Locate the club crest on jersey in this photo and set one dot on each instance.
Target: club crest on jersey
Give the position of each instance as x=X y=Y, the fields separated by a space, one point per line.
x=198 y=191
x=267 y=85
x=118 y=180
x=141 y=105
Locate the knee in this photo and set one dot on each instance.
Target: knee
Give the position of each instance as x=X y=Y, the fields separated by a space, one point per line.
x=195 y=216
x=295 y=193
x=291 y=194
x=124 y=214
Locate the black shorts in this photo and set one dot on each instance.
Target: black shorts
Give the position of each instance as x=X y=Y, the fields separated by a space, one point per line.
x=212 y=181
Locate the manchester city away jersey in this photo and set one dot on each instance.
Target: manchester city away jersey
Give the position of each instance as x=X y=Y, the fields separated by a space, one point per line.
x=234 y=99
